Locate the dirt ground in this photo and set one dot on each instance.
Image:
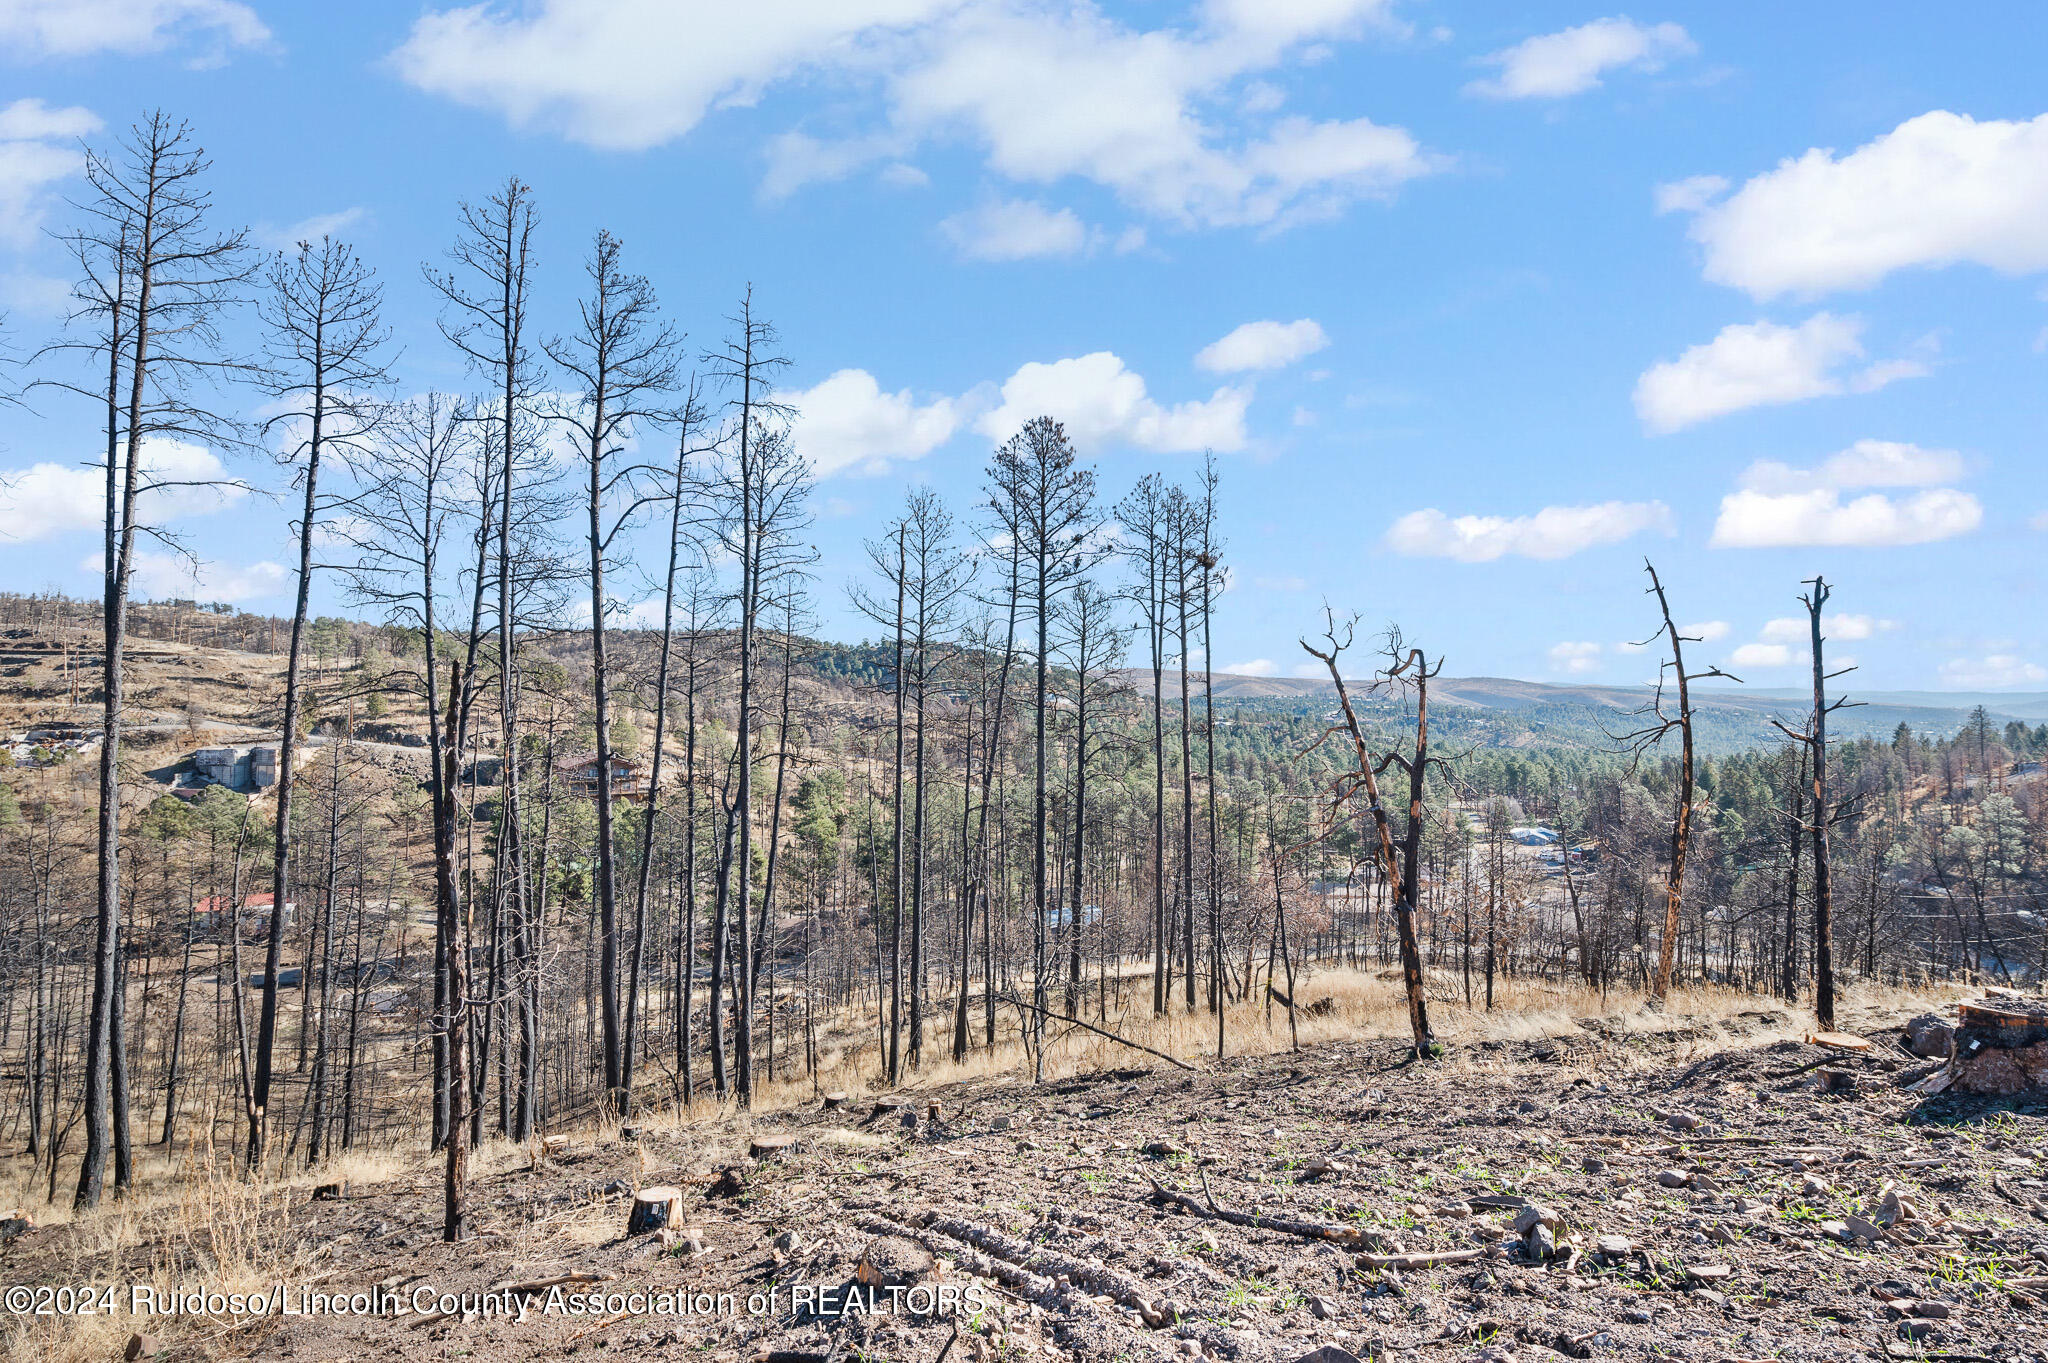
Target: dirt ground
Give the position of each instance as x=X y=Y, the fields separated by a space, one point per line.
x=1698 y=1203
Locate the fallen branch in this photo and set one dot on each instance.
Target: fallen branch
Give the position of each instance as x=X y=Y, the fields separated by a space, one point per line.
x=1427 y=1259
x=1309 y=1230
x=1091 y=1027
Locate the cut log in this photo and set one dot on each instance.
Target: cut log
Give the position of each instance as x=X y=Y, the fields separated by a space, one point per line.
x=331 y=1192
x=654 y=1208
x=1838 y=1041
x=13 y=1223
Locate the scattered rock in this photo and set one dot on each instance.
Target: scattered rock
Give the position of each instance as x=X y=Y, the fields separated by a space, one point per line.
x=140 y=1346
x=1614 y=1246
x=1673 y=1178
x=1930 y=1037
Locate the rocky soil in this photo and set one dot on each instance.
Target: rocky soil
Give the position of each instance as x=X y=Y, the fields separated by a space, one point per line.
x=1609 y=1198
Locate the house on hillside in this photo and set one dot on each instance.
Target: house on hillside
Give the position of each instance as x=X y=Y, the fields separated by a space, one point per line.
x=629 y=777
x=215 y=914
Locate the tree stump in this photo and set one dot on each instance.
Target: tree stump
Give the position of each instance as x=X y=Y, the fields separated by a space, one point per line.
x=771 y=1147
x=931 y=1110
x=654 y=1208
x=331 y=1192
x=2000 y=1047
x=834 y=1101
x=1838 y=1081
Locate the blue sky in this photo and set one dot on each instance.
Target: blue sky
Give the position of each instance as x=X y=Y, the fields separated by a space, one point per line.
x=1477 y=304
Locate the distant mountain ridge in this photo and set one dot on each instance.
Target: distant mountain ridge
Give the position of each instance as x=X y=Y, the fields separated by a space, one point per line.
x=1931 y=710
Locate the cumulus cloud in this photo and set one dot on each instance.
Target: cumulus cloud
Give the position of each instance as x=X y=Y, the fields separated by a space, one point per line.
x=156 y=576
x=1254 y=667
x=1262 y=345
x=1867 y=463
x=1760 y=655
x=1837 y=628
x=38 y=148
x=1993 y=672
x=1575 y=658
x=1707 y=631
x=1104 y=403
x=1761 y=364
x=1015 y=229
x=179 y=480
x=1552 y=533
x=79 y=28
x=1554 y=65
x=1045 y=92
x=848 y=422
x=1940 y=189
x=1777 y=506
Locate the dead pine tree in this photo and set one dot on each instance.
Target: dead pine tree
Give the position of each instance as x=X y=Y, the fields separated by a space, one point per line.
x=157 y=277
x=1821 y=817
x=326 y=343
x=690 y=421
x=1402 y=868
x=1045 y=502
x=622 y=360
x=1647 y=738
x=759 y=493
x=485 y=320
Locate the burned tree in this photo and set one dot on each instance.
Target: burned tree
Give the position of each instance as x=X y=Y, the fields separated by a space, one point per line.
x=1403 y=870
x=326 y=340
x=622 y=358
x=1648 y=737
x=155 y=278
x=1821 y=816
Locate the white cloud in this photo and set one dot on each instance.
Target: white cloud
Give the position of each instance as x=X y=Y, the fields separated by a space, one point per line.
x=1552 y=533
x=1836 y=628
x=1046 y=92
x=1867 y=463
x=848 y=422
x=307 y=229
x=77 y=28
x=1576 y=658
x=1689 y=195
x=161 y=575
x=1102 y=402
x=1940 y=189
x=1707 y=631
x=1554 y=65
x=1760 y=655
x=637 y=73
x=1761 y=364
x=1256 y=667
x=38 y=148
x=1759 y=520
x=1777 y=506
x=50 y=499
x=1015 y=229
x=1994 y=672
x=1262 y=345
